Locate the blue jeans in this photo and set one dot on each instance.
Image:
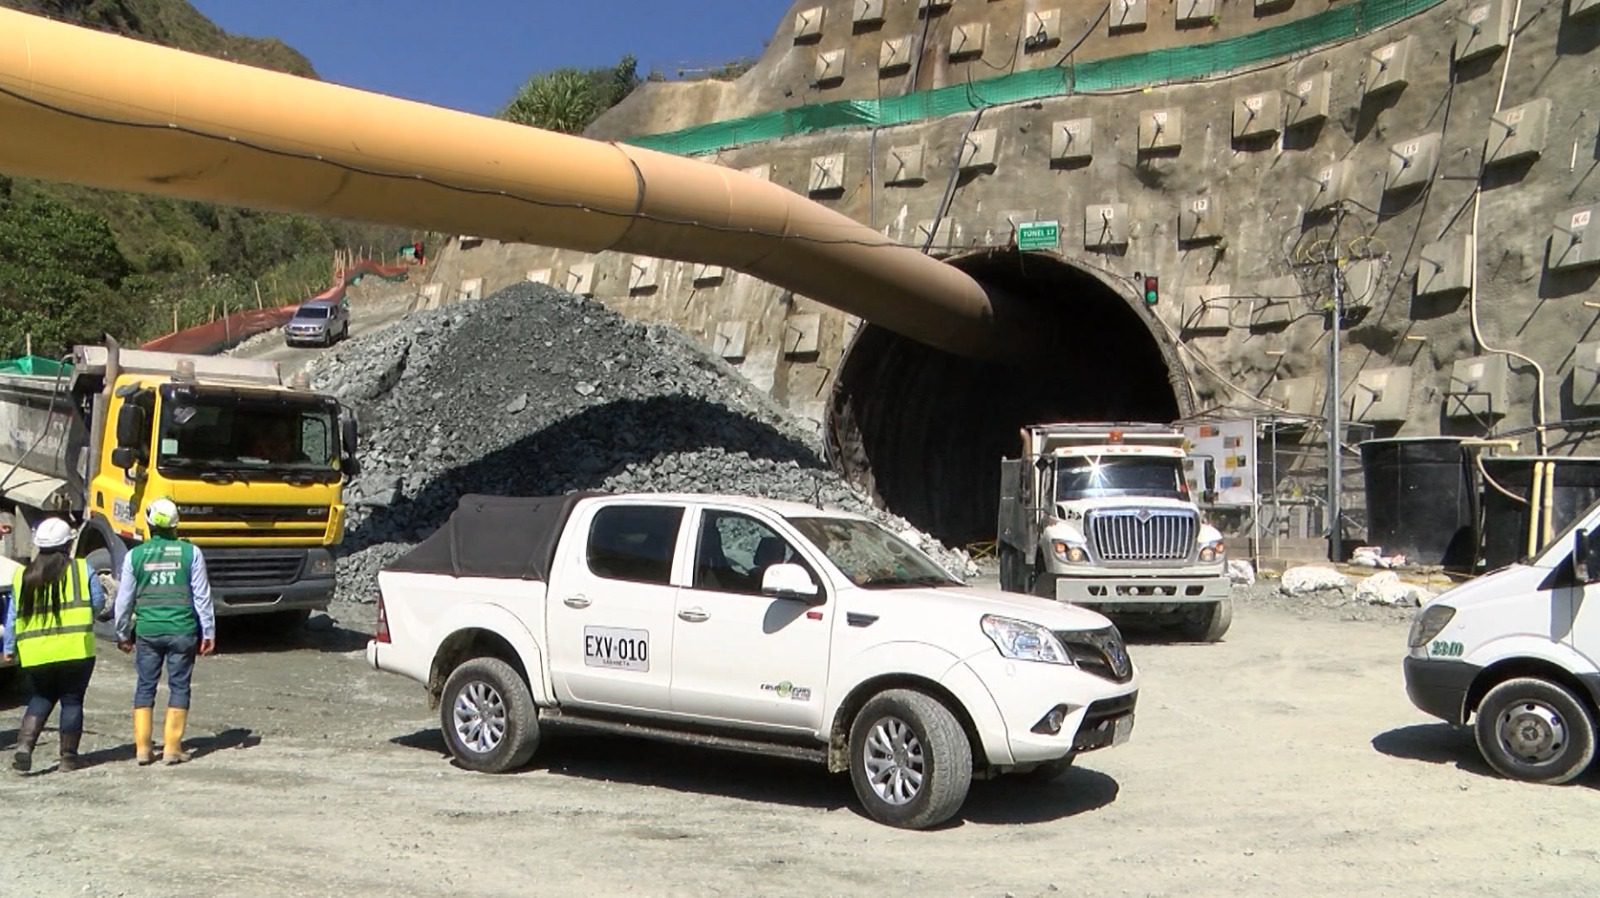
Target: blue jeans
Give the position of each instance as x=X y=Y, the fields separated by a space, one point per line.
x=64 y=682
x=177 y=653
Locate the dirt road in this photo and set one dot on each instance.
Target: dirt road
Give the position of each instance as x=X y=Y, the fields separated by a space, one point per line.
x=1285 y=761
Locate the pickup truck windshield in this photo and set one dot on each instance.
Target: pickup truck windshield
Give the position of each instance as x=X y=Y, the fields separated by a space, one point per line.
x=872 y=557
x=246 y=435
x=312 y=312
x=1100 y=476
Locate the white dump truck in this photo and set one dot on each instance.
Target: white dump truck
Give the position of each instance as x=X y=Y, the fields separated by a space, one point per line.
x=750 y=625
x=1101 y=515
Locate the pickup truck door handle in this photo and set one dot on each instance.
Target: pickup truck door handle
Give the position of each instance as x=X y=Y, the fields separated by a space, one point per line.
x=575 y=602
x=693 y=615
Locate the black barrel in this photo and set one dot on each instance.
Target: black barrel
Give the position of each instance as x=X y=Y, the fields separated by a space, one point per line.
x=1505 y=521
x=1419 y=500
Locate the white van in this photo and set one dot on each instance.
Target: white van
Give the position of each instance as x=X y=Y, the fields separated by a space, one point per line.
x=1517 y=653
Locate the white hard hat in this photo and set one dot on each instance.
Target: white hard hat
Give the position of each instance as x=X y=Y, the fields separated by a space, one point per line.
x=161 y=514
x=53 y=533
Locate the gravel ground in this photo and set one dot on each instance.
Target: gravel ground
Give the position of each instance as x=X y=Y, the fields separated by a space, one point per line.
x=538 y=392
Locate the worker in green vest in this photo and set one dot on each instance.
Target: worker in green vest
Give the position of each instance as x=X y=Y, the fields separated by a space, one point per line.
x=164 y=611
x=50 y=607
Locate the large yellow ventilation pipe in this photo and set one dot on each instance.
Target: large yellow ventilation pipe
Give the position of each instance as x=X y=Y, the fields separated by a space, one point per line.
x=91 y=108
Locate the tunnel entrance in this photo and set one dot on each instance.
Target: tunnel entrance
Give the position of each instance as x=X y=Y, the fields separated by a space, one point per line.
x=924 y=431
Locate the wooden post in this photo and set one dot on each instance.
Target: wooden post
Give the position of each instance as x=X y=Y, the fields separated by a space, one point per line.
x=27 y=343
x=259 y=303
x=174 y=317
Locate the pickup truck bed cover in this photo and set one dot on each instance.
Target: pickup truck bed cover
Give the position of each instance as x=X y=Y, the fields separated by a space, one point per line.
x=508 y=537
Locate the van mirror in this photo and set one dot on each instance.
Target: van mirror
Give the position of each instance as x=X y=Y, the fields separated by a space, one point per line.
x=1586 y=557
x=790 y=581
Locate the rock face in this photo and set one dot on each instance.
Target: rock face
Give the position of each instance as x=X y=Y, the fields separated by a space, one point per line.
x=538 y=392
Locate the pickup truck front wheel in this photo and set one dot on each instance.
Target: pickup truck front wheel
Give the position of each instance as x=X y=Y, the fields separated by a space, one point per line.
x=910 y=761
x=488 y=716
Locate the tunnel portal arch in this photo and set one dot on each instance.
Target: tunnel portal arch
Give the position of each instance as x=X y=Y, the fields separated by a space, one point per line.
x=924 y=431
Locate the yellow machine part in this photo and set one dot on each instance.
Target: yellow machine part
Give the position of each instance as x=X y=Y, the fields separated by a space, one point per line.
x=92 y=108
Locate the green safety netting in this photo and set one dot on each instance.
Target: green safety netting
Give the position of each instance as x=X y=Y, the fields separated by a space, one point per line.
x=1346 y=21
x=34 y=364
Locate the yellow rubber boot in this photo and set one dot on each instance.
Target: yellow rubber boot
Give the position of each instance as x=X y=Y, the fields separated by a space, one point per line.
x=173 y=753
x=142 y=730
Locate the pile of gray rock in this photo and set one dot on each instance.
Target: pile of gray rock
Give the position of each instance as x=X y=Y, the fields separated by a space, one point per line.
x=534 y=391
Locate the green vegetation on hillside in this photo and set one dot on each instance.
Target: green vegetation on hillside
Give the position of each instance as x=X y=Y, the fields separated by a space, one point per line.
x=567 y=100
x=76 y=262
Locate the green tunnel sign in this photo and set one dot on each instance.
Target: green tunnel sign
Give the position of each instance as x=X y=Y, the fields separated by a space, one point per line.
x=1038 y=235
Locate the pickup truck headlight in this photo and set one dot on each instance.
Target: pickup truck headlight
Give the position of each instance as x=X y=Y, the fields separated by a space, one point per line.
x=1428 y=623
x=1214 y=551
x=1023 y=641
x=1069 y=552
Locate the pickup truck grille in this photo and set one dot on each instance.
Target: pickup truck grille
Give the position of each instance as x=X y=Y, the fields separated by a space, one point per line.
x=1142 y=535
x=253 y=570
x=1100 y=652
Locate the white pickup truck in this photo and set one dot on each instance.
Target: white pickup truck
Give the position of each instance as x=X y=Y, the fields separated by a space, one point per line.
x=745 y=624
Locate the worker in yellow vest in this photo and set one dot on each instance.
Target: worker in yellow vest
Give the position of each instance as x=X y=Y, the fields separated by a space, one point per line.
x=50 y=606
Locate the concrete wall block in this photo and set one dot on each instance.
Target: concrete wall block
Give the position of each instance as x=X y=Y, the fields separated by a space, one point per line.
x=580 y=279
x=894 y=55
x=1484 y=28
x=1380 y=395
x=643 y=274
x=1207 y=309
x=1267 y=7
x=1518 y=132
x=760 y=368
x=1413 y=162
x=1575 y=239
x=1257 y=115
x=1298 y=395
x=472 y=288
x=1072 y=140
x=1127 y=15
x=1388 y=66
x=827 y=175
x=868 y=12
x=1331 y=185
x=703 y=275
x=1194 y=12
x=731 y=339
x=538 y=276
x=1042 y=30
x=1105 y=225
x=1445 y=266
x=904 y=165
x=967 y=41
x=808 y=24
x=830 y=67
x=1160 y=129
x=802 y=335
x=1200 y=219
x=1361 y=281
x=1309 y=99
x=1586 y=375
x=431 y=293
x=1477 y=387
x=978 y=149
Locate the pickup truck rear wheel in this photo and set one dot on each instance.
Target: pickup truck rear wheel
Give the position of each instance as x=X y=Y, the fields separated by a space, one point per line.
x=488 y=716
x=910 y=761
x=1535 y=730
x=1208 y=622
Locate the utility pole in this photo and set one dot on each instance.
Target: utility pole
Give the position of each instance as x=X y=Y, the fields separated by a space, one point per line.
x=1335 y=444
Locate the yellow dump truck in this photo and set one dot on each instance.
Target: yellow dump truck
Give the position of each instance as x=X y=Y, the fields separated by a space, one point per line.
x=256 y=466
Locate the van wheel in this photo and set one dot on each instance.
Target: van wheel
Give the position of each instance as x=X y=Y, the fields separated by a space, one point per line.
x=488 y=716
x=910 y=761
x=1535 y=730
x=1207 y=622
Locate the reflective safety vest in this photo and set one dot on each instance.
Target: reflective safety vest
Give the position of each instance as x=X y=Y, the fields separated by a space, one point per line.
x=44 y=638
x=163 y=603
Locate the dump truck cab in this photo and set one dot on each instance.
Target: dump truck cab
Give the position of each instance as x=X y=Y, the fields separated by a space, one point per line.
x=1101 y=515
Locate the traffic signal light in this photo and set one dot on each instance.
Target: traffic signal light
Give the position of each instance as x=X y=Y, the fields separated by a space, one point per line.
x=1152 y=290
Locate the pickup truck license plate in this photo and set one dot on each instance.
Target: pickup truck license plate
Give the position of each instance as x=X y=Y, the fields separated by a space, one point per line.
x=1122 y=730
x=616 y=648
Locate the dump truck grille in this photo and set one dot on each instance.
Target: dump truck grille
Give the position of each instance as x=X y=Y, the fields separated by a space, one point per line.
x=249 y=570
x=1142 y=535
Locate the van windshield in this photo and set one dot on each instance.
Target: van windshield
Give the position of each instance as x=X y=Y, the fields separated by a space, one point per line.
x=1101 y=476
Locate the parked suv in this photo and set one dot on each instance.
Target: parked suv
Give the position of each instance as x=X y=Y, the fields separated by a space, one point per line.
x=321 y=322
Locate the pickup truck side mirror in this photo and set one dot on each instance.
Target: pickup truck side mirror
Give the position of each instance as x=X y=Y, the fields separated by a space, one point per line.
x=1586 y=556
x=790 y=581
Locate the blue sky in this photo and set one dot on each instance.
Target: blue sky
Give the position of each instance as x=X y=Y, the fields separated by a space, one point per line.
x=476 y=58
